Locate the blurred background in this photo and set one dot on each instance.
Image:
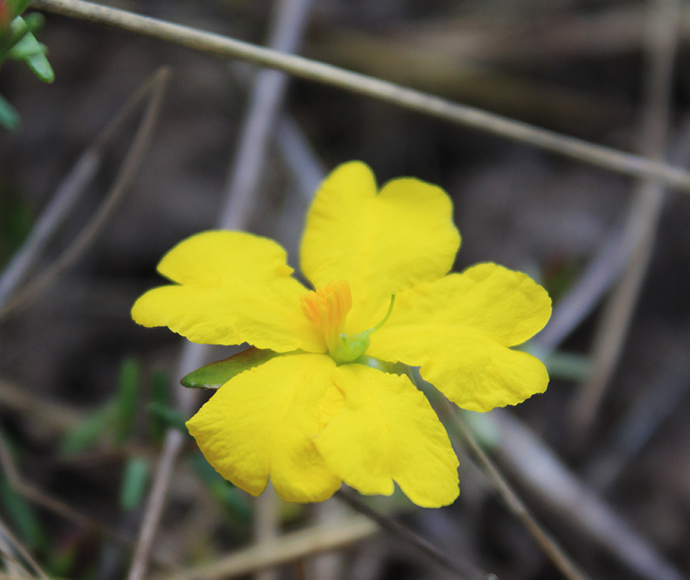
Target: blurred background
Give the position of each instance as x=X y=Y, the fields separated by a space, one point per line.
x=602 y=458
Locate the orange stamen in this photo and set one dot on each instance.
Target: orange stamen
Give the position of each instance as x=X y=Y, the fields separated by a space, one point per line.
x=327 y=309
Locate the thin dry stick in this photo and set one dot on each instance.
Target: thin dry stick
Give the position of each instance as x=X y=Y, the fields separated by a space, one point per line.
x=50 y=414
x=266 y=98
x=35 y=495
x=288 y=548
x=5 y=576
x=568 y=35
x=547 y=543
x=67 y=194
x=124 y=179
x=309 y=173
x=266 y=524
x=605 y=267
x=466 y=570
x=389 y=92
x=9 y=543
x=646 y=209
x=662 y=397
x=552 y=484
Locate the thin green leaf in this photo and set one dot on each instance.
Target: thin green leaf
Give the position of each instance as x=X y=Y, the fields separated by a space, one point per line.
x=134 y=483
x=16 y=31
x=235 y=502
x=9 y=118
x=483 y=427
x=32 y=53
x=18 y=6
x=89 y=431
x=218 y=373
x=171 y=418
x=127 y=400
x=22 y=515
x=62 y=558
x=160 y=396
x=569 y=366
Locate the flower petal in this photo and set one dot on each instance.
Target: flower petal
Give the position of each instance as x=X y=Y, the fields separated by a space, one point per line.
x=383 y=430
x=262 y=423
x=233 y=287
x=457 y=330
x=506 y=305
x=380 y=243
x=472 y=369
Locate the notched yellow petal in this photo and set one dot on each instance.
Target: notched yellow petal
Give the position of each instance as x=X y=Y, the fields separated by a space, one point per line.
x=381 y=243
x=232 y=287
x=220 y=255
x=472 y=370
x=262 y=424
x=380 y=430
x=459 y=329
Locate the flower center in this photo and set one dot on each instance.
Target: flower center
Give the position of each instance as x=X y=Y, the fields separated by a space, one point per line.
x=327 y=309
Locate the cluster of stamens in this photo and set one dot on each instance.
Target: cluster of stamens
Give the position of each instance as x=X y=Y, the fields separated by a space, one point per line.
x=327 y=309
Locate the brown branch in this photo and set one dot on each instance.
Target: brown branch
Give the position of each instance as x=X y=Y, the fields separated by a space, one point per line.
x=545 y=541
x=466 y=570
x=35 y=495
x=124 y=179
x=218 y=45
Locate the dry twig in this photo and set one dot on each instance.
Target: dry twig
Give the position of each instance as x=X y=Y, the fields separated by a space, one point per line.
x=125 y=177
x=466 y=570
x=288 y=548
x=35 y=495
x=389 y=92
x=266 y=99
x=664 y=16
x=68 y=193
x=545 y=541
x=539 y=469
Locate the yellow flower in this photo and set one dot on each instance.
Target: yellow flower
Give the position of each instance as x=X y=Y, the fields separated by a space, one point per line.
x=319 y=415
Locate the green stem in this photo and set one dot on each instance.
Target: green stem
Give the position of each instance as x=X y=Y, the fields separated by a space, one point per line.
x=386 y=317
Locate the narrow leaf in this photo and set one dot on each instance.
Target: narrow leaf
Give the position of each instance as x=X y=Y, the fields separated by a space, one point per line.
x=134 y=483
x=89 y=431
x=127 y=399
x=171 y=418
x=32 y=53
x=18 y=6
x=22 y=515
x=9 y=118
x=218 y=373
x=235 y=501
x=160 y=396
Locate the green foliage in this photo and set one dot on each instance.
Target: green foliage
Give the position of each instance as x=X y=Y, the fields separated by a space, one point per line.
x=62 y=558
x=18 y=6
x=160 y=399
x=9 y=118
x=134 y=482
x=116 y=418
x=483 y=427
x=218 y=373
x=16 y=219
x=127 y=400
x=568 y=366
x=19 y=511
x=32 y=52
x=233 y=500
x=18 y=42
x=170 y=418
x=22 y=515
x=89 y=431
